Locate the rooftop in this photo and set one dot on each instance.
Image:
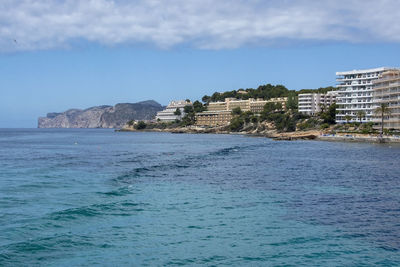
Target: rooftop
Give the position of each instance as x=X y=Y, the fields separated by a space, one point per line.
x=362 y=71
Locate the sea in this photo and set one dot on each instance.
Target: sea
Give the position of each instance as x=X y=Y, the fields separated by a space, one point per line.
x=84 y=197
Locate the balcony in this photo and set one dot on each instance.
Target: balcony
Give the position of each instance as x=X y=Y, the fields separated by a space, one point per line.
x=355 y=79
x=387 y=79
x=396 y=84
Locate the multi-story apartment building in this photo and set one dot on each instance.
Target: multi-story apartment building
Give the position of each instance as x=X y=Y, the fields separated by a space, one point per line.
x=251 y=104
x=213 y=118
x=217 y=106
x=256 y=106
x=220 y=113
x=168 y=114
x=312 y=103
x=355 y=93
x=233 y=103
x=387 y=90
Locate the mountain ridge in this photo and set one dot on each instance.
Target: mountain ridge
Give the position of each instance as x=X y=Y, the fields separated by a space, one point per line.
x=104 y=116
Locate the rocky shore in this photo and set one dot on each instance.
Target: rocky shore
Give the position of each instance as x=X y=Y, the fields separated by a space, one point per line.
x=273 y=134
x=269 y=133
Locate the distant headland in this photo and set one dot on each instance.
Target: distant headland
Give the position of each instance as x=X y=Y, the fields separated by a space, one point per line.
x=101 y=116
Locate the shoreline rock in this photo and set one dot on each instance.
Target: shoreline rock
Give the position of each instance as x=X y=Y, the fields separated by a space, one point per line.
x=273 y=134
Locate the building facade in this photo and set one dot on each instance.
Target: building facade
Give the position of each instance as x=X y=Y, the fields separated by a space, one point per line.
x=220 y=113
x=213 y=118
x=251 y=104
x=257 y=106
x=386 y=90
x=355 y=93
x=217 y=106
x=168 y=114
x=312 y=103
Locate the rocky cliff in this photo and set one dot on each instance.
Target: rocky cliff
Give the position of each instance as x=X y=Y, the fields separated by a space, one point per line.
x=101 y=116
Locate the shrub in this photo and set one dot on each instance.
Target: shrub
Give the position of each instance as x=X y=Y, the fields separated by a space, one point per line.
x=324 y=126
x=254 y=119
x=236 y=111
x=140 y=125
x=386 y=131
x=308 y=124
x=236 y=124
x=177 y=112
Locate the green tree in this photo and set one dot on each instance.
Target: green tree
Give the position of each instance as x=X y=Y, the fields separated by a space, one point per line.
x=198 y=106
x=360 y=115
x=291 y=103
x=247 y=116
x=278 y=106
x=283 y=122
x=206 y=99
x=236 y=111
x=236 y=124
x=254 y=119
x=348 y=118
x=177 y=112
x=383 y=110
x=188 y=119
x=329 y=115
x=140 y=125
x=188 y=109
x=266 y=91
x=131 y=122
x=321 y=90
x=271 y=107
x=322 y=107
x=324 y=126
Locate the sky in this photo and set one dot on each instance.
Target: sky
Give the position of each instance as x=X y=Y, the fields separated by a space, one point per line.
x=57 y=54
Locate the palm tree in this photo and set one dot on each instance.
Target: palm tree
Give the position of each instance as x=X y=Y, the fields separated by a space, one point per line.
x=383 y=110
x=322 y=107
x=348 y=118
x=361 y=115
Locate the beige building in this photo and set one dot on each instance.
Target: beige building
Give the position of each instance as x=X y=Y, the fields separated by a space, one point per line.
x=256 y=106
x=387 y=90
x=220 y=113
x=251 y=104
x=217 y=106
x=213 y=118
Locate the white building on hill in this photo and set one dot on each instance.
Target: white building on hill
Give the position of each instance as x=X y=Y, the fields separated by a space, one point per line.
x=312 y=103
x=355 y=93
x=169 y=113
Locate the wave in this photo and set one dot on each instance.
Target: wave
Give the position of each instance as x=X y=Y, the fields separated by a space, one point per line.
x=154 y=171
x=36 y=249
x=174 y=167
x=226 y=151
x=122 y=208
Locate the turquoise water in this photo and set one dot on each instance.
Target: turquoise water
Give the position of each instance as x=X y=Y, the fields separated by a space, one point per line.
x=86 y=197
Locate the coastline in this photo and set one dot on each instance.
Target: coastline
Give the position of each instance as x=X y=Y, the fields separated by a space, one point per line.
x=273 y=134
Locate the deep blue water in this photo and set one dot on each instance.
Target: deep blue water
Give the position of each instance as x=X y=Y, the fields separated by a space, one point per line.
x=86 y=197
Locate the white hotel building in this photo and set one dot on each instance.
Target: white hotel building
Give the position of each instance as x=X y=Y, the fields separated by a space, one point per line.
x=355 y=93
x=312 y=103
x=168 y=114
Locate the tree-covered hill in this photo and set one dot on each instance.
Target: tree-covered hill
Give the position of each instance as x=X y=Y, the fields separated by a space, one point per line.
x=266 y=92
x=263 y=91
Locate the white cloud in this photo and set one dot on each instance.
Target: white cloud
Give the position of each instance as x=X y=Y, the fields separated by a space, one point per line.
x=209 y=24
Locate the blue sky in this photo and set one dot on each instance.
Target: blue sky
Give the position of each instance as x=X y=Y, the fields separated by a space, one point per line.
x=56 y=55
